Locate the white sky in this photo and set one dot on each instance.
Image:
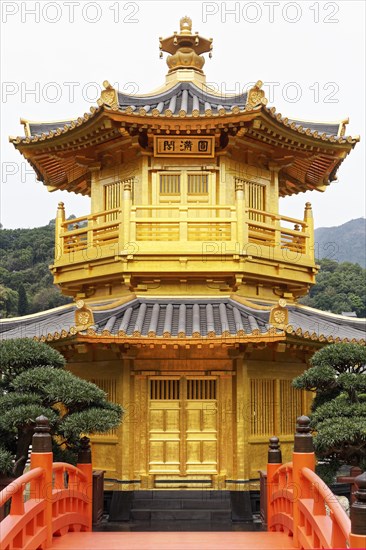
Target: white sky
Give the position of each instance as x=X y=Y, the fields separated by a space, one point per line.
x=310 y=55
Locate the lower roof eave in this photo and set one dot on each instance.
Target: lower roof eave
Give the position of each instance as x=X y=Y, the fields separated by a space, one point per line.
x=159 y=341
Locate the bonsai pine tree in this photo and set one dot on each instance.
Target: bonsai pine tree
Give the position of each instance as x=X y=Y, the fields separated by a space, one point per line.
x=33 y=381
x=338 y=378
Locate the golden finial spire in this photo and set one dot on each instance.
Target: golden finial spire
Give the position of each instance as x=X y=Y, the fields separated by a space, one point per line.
x=185 y=25
x=185 y=48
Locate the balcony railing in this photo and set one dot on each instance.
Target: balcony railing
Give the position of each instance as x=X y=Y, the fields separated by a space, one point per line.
x=266 y=229
x=145 y=225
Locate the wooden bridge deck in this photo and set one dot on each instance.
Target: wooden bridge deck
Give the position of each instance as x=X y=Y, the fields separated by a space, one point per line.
x=174 y=541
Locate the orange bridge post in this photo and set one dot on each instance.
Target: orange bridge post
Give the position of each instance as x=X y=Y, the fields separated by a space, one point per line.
x=42 y=456
x=358 y=514
x=274 y=461
x=302 y=457
x=85 y=465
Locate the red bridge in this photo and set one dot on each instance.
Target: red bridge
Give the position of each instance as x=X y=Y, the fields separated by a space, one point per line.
x=51 y=507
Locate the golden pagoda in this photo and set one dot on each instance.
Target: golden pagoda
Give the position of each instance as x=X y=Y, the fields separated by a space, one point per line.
x=185 y=276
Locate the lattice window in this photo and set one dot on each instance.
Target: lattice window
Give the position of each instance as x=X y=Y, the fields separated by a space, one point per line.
x=290 y=406
x=169 y=184
x=254 y=197
x=201 y=389
x=164 y=389
x=262 y=397
x=113 y=196
x=109 y=386
x=197 y=184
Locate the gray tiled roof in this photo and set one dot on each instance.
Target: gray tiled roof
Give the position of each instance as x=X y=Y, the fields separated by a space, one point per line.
x=30 y=326
x=184 y=96
x=185 y=318
x=179 y=318
x=187 y=98
x=312 y=321
x=327 y=128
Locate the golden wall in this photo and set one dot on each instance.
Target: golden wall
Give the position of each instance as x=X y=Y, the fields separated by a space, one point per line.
x=201 y=418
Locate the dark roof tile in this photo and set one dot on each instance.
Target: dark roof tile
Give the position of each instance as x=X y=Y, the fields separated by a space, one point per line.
x=188 y=317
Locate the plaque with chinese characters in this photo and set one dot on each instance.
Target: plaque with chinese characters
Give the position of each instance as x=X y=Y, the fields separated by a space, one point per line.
x=194 y=146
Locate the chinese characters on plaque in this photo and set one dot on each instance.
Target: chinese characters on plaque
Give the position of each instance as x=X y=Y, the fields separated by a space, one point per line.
x=194 y=146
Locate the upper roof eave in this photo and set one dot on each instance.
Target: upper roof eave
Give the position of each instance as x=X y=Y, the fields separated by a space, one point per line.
x=145 y=118
x=198 y=105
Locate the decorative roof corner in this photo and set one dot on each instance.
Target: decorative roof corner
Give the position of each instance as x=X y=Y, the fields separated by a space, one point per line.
x=26 y=127
x=109 y=96
x=256 y=96
x=84 y=317
x=279 y=316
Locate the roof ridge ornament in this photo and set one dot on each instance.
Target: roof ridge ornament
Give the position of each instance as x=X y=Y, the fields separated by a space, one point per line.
x=256 y=96
x=109 y=96
x=185 y=48
x=279 y=315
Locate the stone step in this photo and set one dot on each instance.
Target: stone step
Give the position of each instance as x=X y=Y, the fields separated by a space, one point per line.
x=141 y=505
x=186 y=504
x=202 y=494
x=181 y=515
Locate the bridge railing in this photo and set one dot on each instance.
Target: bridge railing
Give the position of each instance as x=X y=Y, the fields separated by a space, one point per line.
x=302 y=505
x=49 y=500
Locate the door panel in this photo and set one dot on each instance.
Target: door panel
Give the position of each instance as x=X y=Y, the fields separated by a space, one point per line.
x=201 y=437
x=183 y=436
x=164 y=436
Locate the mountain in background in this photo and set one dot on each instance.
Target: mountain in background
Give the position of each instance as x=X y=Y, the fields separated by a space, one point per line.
x=343 y=243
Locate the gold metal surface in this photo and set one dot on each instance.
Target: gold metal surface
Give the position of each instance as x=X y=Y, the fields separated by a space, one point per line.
x=183 y=432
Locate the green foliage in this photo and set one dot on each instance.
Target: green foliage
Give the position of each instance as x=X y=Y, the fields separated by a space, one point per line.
x=8 y=301
x=59 y=386
x=338 y=377
x=33 y=382
x=25 y=255
x=20 y=354
x=339 y=287
x=92 y=420
x=22 y=300
x=341 y=358
x=327 y=470
x=6 y=461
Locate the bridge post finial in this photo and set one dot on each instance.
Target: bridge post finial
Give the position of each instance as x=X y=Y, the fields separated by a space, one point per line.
x=274 y=451
x=358 y=514
x=303 y=437
x=42 y=440
x=84 y=454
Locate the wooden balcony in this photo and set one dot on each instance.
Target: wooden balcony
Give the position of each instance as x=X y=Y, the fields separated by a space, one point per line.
x=173 y=229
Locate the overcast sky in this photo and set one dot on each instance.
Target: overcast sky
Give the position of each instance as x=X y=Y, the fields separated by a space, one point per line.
x=55 y=56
